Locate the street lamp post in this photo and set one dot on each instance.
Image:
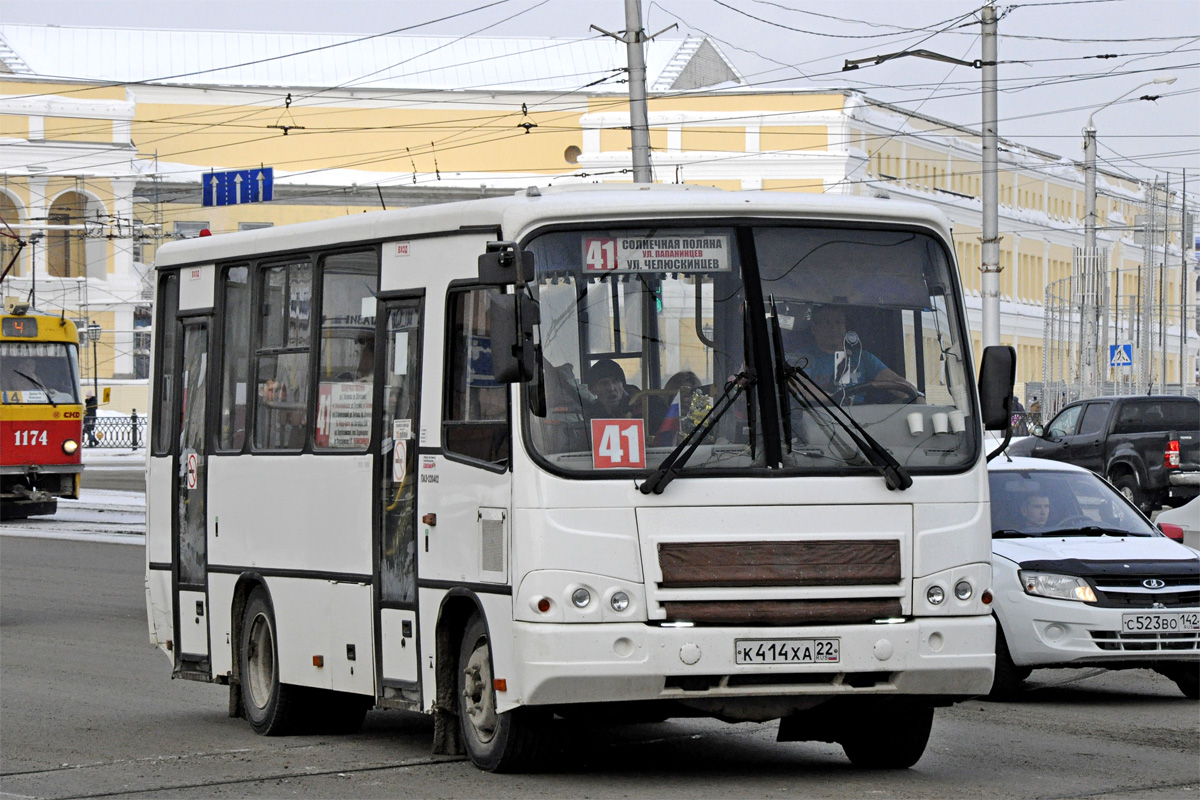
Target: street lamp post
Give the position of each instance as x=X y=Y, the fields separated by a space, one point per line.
x=34 y=238
x=1089 y=163
x=93 y=335
x=1090 y=313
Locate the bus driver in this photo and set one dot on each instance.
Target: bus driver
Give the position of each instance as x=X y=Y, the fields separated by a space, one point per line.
x=839 y=362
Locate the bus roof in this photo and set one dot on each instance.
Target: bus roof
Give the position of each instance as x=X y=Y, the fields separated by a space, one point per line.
x=513 y=216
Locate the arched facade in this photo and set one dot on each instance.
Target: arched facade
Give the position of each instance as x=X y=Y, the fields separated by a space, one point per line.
x=11 y=215
x=69 y=252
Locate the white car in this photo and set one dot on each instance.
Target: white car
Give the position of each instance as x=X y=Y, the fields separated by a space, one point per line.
x=1187 y=518
x=1082 y=579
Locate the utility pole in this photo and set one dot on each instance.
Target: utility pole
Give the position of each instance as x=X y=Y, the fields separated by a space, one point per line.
x=990 y=241
x=1186 y=232
x=634 y=37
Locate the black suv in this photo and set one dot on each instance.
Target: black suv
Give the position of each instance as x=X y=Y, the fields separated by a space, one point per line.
x=1148 y=447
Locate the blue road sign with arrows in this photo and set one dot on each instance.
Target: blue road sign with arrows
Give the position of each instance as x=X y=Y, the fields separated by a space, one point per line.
x=1120 y=355
x=236 y=187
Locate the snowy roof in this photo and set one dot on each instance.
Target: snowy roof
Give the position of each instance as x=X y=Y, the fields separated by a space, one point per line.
x=437 y=63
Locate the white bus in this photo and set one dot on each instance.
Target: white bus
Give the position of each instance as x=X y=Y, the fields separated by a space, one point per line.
x=647 y=451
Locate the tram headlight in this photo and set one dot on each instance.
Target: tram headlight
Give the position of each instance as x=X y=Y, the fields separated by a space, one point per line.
x=581 y=597
x=70 y=447
x=619 y=601
x=935 y=595
x=963 y=590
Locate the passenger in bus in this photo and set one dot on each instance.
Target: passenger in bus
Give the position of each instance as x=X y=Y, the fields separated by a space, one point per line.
x=606 y=380
x=839 y=363
x=671 y=416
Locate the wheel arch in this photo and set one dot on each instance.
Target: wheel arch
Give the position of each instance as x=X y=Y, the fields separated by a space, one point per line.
x=457 y=607
x=1123 y=465
x=247 y=582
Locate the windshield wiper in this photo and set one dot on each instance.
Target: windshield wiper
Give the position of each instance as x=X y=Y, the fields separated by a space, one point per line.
x=38 y=384
x=677 y=458
x=1010 y=533
x=1090 y=530
x=894 y=475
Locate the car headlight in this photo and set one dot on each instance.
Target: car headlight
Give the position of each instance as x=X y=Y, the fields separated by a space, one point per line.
x=1059 y=587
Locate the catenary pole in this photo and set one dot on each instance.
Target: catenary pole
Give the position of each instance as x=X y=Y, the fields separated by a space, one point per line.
x=639 y=120
x=990 y=240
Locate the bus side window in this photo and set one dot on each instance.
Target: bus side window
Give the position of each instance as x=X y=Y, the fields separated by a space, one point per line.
x=475 y=416
x=235 y=358
x=281 y=397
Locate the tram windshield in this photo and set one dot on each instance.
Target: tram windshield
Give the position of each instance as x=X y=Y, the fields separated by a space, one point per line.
x=38 y=372
x=790 y=348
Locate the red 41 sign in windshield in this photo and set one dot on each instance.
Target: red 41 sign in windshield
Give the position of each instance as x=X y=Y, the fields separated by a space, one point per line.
x=618 y=443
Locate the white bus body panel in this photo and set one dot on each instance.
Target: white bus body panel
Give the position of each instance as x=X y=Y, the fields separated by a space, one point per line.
x=264 y=505
x=159 y=484
x=320 y=618
x=193 y=624
x=196 y=285
x=400 y=654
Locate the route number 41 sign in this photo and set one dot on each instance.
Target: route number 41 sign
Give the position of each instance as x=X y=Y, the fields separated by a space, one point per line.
x=618 y=444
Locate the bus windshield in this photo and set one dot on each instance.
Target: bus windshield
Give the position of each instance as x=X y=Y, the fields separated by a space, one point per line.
x=647 y=338
x=38 y=373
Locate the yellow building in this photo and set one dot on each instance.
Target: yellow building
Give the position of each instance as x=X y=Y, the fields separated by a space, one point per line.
x=109 y=164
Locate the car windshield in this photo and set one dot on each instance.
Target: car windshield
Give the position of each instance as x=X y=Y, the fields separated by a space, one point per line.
x=1060 y=503
x=38 y=373
x=646 y=335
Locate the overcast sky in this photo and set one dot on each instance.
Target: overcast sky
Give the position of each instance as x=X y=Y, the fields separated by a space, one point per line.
x=1051 y=73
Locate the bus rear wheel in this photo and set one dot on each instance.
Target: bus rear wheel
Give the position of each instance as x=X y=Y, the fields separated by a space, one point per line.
x=271 y=707
x=894 y=738
x=497 y=742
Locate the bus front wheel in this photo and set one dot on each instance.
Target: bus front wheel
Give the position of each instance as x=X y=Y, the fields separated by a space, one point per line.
x=271 y=707
x=497 y=742
x=895 y=738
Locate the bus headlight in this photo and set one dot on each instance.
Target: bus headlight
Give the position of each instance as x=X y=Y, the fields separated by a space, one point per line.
x=935 y=595
x=581 y=597
x=70 y=446
x=619 y=601
x=963 y=590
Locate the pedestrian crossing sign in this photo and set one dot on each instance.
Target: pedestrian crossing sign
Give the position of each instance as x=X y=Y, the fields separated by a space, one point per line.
x=1120 y=355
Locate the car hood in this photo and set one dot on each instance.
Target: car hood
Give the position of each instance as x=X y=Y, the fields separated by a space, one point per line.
x=1092 y=548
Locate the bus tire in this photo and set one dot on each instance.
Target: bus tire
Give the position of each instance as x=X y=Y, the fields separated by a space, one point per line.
x=272 y=708
x=508 y=742
x=895 y=738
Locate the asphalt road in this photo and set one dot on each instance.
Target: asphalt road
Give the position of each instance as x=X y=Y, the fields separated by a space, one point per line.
x=88 y=710
x=124 y=478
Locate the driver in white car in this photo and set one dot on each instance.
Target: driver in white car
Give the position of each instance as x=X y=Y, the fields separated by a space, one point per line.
x=839 y=362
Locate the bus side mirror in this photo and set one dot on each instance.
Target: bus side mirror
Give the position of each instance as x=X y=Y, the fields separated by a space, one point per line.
x=511 y=318
x=505 y=265
x=107 y=393
x=997 y=375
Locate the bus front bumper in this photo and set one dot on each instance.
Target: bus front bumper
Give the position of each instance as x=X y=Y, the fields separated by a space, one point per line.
x=572 y=663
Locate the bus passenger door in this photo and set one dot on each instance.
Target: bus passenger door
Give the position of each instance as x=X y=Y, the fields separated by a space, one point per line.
x=400 y=332
x=190 y=546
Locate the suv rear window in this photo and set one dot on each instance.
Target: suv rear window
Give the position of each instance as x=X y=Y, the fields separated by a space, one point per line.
x=1145 y=416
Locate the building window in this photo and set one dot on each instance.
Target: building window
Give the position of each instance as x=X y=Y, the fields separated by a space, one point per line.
x=189 y=230
x=142 y=316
